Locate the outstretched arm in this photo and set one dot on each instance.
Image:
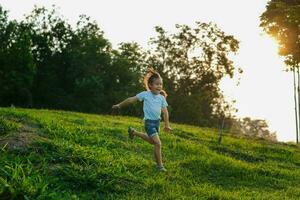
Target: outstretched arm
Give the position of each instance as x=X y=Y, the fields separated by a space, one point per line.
x=126 y=102
x=166 y=119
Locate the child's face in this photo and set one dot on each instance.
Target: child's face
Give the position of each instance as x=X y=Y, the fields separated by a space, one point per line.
x=156 y=86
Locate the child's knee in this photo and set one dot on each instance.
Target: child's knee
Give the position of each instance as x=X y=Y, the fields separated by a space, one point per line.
x=157 y=143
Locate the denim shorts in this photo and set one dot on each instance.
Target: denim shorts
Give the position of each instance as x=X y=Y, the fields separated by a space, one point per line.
x=152 y=127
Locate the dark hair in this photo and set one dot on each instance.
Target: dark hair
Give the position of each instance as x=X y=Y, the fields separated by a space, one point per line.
x=150 y=77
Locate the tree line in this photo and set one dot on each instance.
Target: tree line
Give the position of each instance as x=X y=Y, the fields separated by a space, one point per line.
x=47 y=63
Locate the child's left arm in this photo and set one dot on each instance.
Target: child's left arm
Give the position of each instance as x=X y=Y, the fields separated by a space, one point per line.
x=166 y=119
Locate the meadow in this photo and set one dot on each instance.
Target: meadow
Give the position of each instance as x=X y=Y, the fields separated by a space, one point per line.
x=52 y=154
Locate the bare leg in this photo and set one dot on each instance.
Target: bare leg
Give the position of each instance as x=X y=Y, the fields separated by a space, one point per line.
x=157 y=149
x=144 y=136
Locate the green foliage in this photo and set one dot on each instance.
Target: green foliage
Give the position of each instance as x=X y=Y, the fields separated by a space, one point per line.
x=85 y=156
x=45 y=62
x=17 y=67
x=192 y=61
x=281 y=20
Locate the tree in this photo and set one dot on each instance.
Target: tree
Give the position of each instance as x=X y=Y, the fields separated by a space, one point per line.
x=49 y=35
x=192 y=62
x=129 y=64
x=17 y=68
x=281 y=20
x=253 y=128
x=77 y=69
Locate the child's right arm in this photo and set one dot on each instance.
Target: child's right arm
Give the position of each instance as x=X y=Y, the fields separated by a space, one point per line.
x=126 y=102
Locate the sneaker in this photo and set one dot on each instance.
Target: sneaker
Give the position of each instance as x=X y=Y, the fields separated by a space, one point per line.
x=130 y=132
x=161 y=168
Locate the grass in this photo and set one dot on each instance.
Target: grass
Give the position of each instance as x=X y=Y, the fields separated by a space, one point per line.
x=50 y=154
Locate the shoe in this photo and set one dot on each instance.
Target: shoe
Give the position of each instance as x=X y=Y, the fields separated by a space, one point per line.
x=161 y=168
x=130 y=132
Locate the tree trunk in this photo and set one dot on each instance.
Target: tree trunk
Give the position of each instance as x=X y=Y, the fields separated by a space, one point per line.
x=298 y=101
x=296 y=105
x=221 y=130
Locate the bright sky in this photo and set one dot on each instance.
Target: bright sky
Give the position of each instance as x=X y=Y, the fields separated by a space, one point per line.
x=265 y=90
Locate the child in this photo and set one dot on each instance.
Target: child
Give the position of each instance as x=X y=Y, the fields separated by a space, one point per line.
x=154 y=102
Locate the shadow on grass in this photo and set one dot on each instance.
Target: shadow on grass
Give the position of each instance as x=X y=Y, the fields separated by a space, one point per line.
x=230 y=177
x=90 y=178
x=237 y=154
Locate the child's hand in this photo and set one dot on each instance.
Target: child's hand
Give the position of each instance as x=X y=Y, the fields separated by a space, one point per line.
x=168 y=129
x=117 y=106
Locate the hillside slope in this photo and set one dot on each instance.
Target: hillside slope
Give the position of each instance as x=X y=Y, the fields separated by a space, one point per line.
x=65 y=155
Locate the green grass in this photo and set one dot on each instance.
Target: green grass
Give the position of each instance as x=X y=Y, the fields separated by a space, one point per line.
x=48 y=154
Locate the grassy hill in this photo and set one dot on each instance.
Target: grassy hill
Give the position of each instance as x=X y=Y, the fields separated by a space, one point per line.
x=66 y=155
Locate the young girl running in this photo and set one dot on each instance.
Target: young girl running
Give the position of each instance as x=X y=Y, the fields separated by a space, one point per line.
x=154 y=102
